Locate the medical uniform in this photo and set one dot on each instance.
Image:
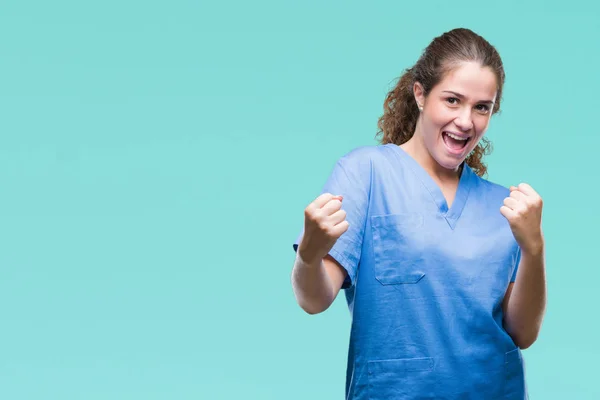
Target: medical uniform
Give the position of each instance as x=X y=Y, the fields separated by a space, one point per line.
x=425 y=282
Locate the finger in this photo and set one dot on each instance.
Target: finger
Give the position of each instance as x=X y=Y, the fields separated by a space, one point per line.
x=321 y=200
x=511 y=203
x=527 y=189
x=337 y=217
x=518 y=195
x=513 y=188
x=331 y=207
x=507 y=212
x=340 y=228
x=336 y=197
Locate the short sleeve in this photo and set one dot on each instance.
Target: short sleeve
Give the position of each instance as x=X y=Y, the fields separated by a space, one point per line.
x=516 y=265
x=351 y=178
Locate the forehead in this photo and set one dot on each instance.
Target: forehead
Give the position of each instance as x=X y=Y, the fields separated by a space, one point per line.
x=471 y=80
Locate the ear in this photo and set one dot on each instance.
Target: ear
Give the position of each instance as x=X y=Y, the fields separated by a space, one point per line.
x=419 y=94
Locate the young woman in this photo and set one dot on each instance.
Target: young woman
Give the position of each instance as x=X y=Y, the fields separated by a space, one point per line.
x=443 y=270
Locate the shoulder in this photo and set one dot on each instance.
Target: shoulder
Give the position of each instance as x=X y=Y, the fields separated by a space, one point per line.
x=492 y=191
x=364 y=162
x=363 y=156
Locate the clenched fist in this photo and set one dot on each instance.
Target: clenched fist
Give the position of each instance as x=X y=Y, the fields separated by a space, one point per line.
x=324 y=223
x=523 y=210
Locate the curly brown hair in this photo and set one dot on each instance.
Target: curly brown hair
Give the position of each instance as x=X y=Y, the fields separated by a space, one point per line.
x=398 y=122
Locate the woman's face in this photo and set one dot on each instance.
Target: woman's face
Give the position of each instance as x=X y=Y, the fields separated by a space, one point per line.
x=456 y=113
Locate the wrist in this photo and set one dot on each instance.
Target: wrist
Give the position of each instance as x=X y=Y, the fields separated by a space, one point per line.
x=307 y=262
x=534 y=249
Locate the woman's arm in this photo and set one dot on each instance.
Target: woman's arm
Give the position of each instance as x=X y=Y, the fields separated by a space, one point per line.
x=316 y=277
x=317 y=285
x=329 y=249
x=525 y=301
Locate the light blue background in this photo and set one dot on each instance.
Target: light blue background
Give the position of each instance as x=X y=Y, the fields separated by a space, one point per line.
x=156 y=158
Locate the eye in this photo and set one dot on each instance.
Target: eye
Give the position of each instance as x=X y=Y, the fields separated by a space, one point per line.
x=483 y=108
x=452 y=100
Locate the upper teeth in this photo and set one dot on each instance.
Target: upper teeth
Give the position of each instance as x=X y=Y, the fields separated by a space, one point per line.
x=456 y=137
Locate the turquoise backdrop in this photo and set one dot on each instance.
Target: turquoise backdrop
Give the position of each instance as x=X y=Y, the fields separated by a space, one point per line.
x=156 y=158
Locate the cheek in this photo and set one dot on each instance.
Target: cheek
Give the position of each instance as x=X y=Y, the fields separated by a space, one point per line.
x=440 y=117
x=481 y=125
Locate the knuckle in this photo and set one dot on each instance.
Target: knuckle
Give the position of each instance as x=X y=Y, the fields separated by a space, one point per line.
x=329 y=231
x=309 y=213
x=323 y=226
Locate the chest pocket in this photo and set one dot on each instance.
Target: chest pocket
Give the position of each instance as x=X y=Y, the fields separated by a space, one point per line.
x=398 y=248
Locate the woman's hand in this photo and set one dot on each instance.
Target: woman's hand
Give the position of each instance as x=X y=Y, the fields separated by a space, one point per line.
x=523 y=210
x=324 y=223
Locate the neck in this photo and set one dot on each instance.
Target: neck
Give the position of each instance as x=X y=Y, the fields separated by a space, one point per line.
x=417 y=150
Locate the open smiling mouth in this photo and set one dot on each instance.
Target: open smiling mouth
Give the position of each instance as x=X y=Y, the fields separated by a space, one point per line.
x=454 y=142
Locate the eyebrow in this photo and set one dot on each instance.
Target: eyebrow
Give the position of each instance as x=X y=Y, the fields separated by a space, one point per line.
x=460 y=96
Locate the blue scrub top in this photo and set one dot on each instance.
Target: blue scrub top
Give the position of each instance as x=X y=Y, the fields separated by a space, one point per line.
x=425 y=282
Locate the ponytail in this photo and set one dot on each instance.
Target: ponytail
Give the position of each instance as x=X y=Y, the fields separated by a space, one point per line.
x=399 y=119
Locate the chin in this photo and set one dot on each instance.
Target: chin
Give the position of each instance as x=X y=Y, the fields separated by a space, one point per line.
x=452 y=166
x=450 y=162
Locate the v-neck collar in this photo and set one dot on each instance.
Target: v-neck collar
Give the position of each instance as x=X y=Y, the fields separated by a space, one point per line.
x=452 y=214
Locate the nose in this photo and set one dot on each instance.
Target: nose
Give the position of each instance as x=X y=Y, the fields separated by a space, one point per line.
x=463 y=121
